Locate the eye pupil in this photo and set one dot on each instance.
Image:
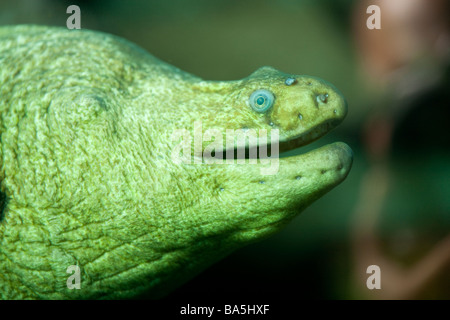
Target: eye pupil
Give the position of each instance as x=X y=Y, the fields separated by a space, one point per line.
x=260 y=101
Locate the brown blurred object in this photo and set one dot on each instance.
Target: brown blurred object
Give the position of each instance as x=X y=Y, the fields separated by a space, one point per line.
x=405 y=58
x=411 y=30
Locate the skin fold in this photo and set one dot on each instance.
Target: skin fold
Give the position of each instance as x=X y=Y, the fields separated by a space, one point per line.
x=87 y=175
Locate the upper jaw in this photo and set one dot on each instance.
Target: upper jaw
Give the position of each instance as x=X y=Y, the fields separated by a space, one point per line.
x=316 y=132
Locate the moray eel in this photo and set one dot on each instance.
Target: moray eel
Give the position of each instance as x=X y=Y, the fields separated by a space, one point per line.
x=88 y=176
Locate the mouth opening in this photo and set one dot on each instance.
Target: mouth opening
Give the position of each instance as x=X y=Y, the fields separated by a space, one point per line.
x=284 y=146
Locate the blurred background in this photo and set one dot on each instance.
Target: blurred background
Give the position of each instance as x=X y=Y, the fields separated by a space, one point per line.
x=393 y=210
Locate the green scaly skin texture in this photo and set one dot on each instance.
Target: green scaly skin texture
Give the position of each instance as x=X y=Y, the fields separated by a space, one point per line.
x=86 y=126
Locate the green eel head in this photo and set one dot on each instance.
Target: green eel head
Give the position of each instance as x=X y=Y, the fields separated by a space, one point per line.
x=258 y=193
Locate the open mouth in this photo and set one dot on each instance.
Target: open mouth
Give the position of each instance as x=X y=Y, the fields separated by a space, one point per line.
x=272 y=149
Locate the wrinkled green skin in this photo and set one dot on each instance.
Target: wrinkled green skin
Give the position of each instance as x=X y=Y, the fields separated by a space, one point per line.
x=86 y=125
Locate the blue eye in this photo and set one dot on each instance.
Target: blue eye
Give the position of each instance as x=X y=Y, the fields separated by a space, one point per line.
x=261 y=100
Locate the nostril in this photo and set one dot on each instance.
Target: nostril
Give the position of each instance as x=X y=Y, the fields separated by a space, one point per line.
x=322 y=98
x=290 y=81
